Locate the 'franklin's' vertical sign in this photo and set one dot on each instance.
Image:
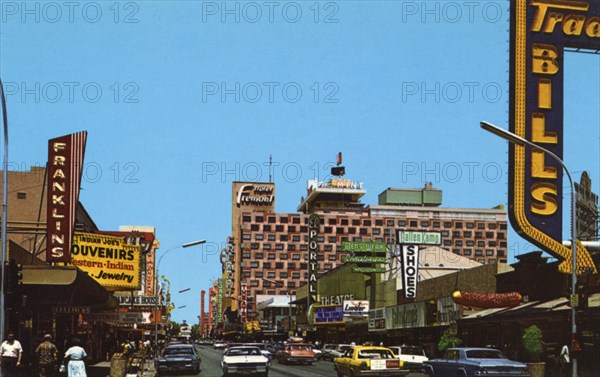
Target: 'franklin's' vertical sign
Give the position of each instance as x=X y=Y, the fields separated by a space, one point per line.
x=314 y=223
x=65 y=165
x=540 y=32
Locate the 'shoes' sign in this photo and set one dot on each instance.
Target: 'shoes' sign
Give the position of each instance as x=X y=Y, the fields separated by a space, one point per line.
x=410 y=270
x=540 y=32
x=65 y=164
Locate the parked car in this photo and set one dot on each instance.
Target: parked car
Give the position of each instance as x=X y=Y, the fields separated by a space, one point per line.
x=296 y=353
x=219 y=344
x=263 y=349
x=470 y=362
x=337 y=351
x=178 y=358
x=412 y=356
x=245 y=360
x=368 y=361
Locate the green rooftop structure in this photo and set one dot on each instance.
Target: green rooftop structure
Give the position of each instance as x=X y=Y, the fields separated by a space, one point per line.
x=427 y=196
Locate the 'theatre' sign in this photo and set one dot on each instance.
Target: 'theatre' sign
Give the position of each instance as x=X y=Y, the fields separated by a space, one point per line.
x=541 y=30
x=65 y=165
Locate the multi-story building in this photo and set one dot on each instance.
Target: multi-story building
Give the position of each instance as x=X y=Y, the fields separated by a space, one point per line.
x=273 y=247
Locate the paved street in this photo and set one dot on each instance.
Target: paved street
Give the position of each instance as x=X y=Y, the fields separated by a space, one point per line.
x=211 y=367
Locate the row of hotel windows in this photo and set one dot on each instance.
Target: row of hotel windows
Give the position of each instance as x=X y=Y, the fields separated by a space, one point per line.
x=335 y=257
x=369 y=222
x=353 y=230
x=491 y=242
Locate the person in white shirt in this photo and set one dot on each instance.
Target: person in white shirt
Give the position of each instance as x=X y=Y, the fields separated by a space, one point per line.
x=10 y=355
x=563 y=361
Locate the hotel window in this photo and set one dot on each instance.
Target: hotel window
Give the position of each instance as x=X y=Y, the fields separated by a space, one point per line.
x=376 y=231
x=331 y=222
x=458 y=243
x=345 y=239
x=378 y=239
x=378 y=222
x=328 y=266
x=320 y=239
x=295 y=275
x=401 y=222
x=367 y=222
x=303 y=229
x=390 y=222
x=458 y=225
x=363 y=231
x=387 y=232
x=320 y=257
x=355 y=222
x=502 y=243
x=254 y=283
x=478 y=252
x=246 y=236
x=478 y=235
x=413 y=224
x=283 y=220
x=305 y=275
x=303 y=247
x=291 y=228
x=467 y=252
x=283 y=256
x=470 y=225
x=254 y=246
x=470 y=243
x=331 y=239
x=246 y=256
x=425 y=224
x=283 y=274
x=258 y=274
x=328 y=229
x=259 y=219
x=306 y=238
x=456 y=251
x=259 y=236
x=492 y=243
x=480 y=243
x=447 y=224
x=271 y=237
x=246 y=218
x=295 y=256
x=267 y=265
x=295 y=220
x=259 y=256
x=357 y=239
x=270 y=292
x=279 y=228
x=254 y=264
x=291 y=266
x=502 y=253
x=339 y=230
x=502 y=226
x=266 y=284
x=390 y=241
x=272 y=219
x=500 y=235
x=271 y=274
x=481 y=260
x=436 y=224
x=296 y=238
x=279 y=266
x=468 y=234
x=338 y=247
x=491 y=226
x=291 y=247
x=489 y=234
x=306 y=220
x=445 y=233
x=246 y=274
x=447 y=243
x=279 y=246
x=266 y=246
x=455 y=233
x=489 y=253
x=328 y=248
x=291 y=284
x=351 y=230
x=332 y=257
x=283 y=237
x=344 y=221
x=266 y=228
x=303 y=266
x=254 y=227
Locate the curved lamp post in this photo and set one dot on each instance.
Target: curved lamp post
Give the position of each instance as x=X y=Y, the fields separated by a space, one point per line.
x=4 y=211
x=516 y=139
x=185 y=245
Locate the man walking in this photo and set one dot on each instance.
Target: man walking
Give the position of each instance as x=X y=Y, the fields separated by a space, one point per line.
x=10 y=355
x=47 y=356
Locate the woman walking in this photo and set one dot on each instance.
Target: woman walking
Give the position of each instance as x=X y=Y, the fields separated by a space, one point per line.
x=75 y=356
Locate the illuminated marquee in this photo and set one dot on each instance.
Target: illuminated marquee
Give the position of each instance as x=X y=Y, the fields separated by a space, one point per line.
x=540 y=31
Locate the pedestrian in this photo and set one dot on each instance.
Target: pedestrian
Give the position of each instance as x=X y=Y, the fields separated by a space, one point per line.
x=10 y=355
x=563 y=360
x=47 y=357
x=75 y=356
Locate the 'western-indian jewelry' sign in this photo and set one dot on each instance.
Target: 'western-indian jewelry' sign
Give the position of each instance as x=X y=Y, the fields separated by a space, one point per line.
x=65 y=164
x=109 y=260
x=540 y=32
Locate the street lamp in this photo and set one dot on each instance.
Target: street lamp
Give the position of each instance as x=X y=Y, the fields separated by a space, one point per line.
x=276 y=282
x=516 y=139
x=185 y=245
x=4 y=211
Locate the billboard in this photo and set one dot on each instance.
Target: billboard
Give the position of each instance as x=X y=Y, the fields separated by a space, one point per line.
x=65 y=165
x=107 y=259
x=541 y=30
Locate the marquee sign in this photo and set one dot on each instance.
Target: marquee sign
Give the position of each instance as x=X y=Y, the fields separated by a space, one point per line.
x=65 y=165
x=540 y=32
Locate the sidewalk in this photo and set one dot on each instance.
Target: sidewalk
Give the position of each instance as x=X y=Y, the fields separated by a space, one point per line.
x=102 y=369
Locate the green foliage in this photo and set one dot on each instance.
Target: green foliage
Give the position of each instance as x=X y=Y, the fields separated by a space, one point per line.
x=532 y=342
x=196 y=331
x=175 y=327
x=448 y=340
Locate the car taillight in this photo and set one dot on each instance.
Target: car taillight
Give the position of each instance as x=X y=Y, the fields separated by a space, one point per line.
x=392 y=363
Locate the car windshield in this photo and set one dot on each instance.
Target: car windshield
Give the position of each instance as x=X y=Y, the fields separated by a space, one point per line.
x=300 y=347
x=245 y=351
x=260 y=346
x=485 y=354
x=413 y=351
x=344 y=348
x=178 y=351
x=375 y=354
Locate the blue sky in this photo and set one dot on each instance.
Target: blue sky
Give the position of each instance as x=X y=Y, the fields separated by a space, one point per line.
x=181 y=98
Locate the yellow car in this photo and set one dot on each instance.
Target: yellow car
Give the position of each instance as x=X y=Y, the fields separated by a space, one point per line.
x=369 y=361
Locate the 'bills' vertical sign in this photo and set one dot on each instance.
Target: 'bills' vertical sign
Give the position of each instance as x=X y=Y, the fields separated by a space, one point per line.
x=65 y=166
x=410 y=269
x=314 y=224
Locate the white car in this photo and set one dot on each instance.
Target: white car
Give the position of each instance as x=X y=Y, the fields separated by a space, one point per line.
x=412 y=356
x=245 y=360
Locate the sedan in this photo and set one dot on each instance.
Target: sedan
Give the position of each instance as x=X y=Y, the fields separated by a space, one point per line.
x=471 y=362
x=369 y=361
x=178 y=358
x=244 y=360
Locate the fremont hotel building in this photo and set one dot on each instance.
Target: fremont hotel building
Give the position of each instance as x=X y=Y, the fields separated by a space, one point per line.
x=274 y=246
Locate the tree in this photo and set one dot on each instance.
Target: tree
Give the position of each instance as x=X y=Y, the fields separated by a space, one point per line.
x=175 y=328
x=448 y=340
x=532 y=342
x=196 y=331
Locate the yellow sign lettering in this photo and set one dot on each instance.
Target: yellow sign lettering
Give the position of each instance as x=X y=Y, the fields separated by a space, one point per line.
x=544 y=199
x=538 y=167
x=544 y=59
x=538 y=130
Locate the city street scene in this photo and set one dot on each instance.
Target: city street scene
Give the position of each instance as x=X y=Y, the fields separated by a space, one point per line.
x=300 y=188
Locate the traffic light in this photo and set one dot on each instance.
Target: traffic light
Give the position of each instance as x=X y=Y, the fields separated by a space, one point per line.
x=14 y=276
